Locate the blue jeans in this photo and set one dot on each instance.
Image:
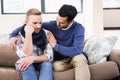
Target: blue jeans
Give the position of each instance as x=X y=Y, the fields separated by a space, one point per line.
x=46 y=72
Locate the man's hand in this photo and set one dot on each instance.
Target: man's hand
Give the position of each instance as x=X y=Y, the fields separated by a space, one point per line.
x=13 y=42
x=29 y=29
x=24 y=63
x=51 y=39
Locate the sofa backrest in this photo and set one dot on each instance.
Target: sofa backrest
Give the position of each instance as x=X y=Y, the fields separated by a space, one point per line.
x=8 y=57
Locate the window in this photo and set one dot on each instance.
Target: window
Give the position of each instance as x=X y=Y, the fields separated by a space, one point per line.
x=45 y=6
x=52 y=6
x=19 y=6
x=111 y=4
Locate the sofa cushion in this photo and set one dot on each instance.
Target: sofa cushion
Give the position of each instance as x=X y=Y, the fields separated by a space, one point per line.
x=104 y=71
x=8 y=55
x=115 y=56
x=65 y=75
x=100 y=71
x=9 y=74
x=97 y=49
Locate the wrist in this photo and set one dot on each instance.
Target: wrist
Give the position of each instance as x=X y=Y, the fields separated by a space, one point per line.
x=28 y=34
x=32 y=58
x=54 y=45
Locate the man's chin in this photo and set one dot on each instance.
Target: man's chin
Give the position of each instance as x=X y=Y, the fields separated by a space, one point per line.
x=62 y=27
x=37 y=31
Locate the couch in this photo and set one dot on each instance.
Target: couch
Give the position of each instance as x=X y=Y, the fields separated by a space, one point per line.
x=109 y=70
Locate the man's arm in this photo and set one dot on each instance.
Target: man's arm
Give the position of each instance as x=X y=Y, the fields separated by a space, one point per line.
x=75 y=49
x=13 y=41
x=49 y=52
x=13 y=37
x=15 y=32
x=28 y=44
x=24 y=63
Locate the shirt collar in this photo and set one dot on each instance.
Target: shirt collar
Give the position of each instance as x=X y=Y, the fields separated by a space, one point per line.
x=68 y=26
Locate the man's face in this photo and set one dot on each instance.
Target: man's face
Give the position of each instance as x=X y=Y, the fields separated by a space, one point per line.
x=62 y=22
x=35 y=21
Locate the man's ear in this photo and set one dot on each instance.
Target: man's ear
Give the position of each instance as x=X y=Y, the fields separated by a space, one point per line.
x=26 y=21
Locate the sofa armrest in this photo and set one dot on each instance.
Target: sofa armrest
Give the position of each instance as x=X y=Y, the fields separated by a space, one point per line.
x=115 y=56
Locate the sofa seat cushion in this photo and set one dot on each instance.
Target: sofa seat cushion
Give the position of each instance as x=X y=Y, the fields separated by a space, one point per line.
x=100 y=71
x=104 y=71
x=9 y=74
x=65 y=75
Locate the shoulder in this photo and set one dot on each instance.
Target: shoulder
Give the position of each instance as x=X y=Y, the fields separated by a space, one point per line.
x=78 y=26
x=49 y=23
x=46 y=31
x=78 y=29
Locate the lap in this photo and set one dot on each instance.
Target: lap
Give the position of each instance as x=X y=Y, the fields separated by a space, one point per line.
x=66 y=64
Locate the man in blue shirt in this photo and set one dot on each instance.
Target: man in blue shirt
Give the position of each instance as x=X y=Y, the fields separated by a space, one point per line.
x=66 y=36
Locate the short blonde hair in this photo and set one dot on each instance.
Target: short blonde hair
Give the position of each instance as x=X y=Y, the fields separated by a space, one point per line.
x=32 y=11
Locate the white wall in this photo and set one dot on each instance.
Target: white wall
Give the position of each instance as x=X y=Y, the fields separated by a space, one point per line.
x=112 y=18
x=10 y=21
x=91 y=19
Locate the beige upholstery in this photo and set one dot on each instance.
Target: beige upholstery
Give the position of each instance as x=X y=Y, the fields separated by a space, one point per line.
x=102 y=71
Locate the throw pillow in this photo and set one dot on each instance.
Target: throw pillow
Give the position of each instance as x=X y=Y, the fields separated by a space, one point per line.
x=97 y=49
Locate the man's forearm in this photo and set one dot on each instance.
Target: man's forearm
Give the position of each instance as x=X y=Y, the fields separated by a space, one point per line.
x=38 y=59
x=28 y=47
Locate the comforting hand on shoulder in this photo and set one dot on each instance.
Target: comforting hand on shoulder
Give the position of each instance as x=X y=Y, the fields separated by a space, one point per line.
x=51 y=39
x=13 y=41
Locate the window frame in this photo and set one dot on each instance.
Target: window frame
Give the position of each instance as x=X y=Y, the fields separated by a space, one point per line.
x=43 y=5
x=8 y=8
x=109 y=4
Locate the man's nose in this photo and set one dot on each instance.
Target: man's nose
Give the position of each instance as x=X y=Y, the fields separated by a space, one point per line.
x=58 y=24
x=38 y=26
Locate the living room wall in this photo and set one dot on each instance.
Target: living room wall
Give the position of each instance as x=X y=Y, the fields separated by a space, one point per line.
x=112 y=18
x=91 y=19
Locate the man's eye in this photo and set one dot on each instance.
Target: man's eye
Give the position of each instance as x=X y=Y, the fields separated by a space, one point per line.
x=62 y=23
x=34 y=23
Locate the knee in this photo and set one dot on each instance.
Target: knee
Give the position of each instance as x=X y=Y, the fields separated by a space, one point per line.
x=79 y=58
x=29 y=70
x=60 y=66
